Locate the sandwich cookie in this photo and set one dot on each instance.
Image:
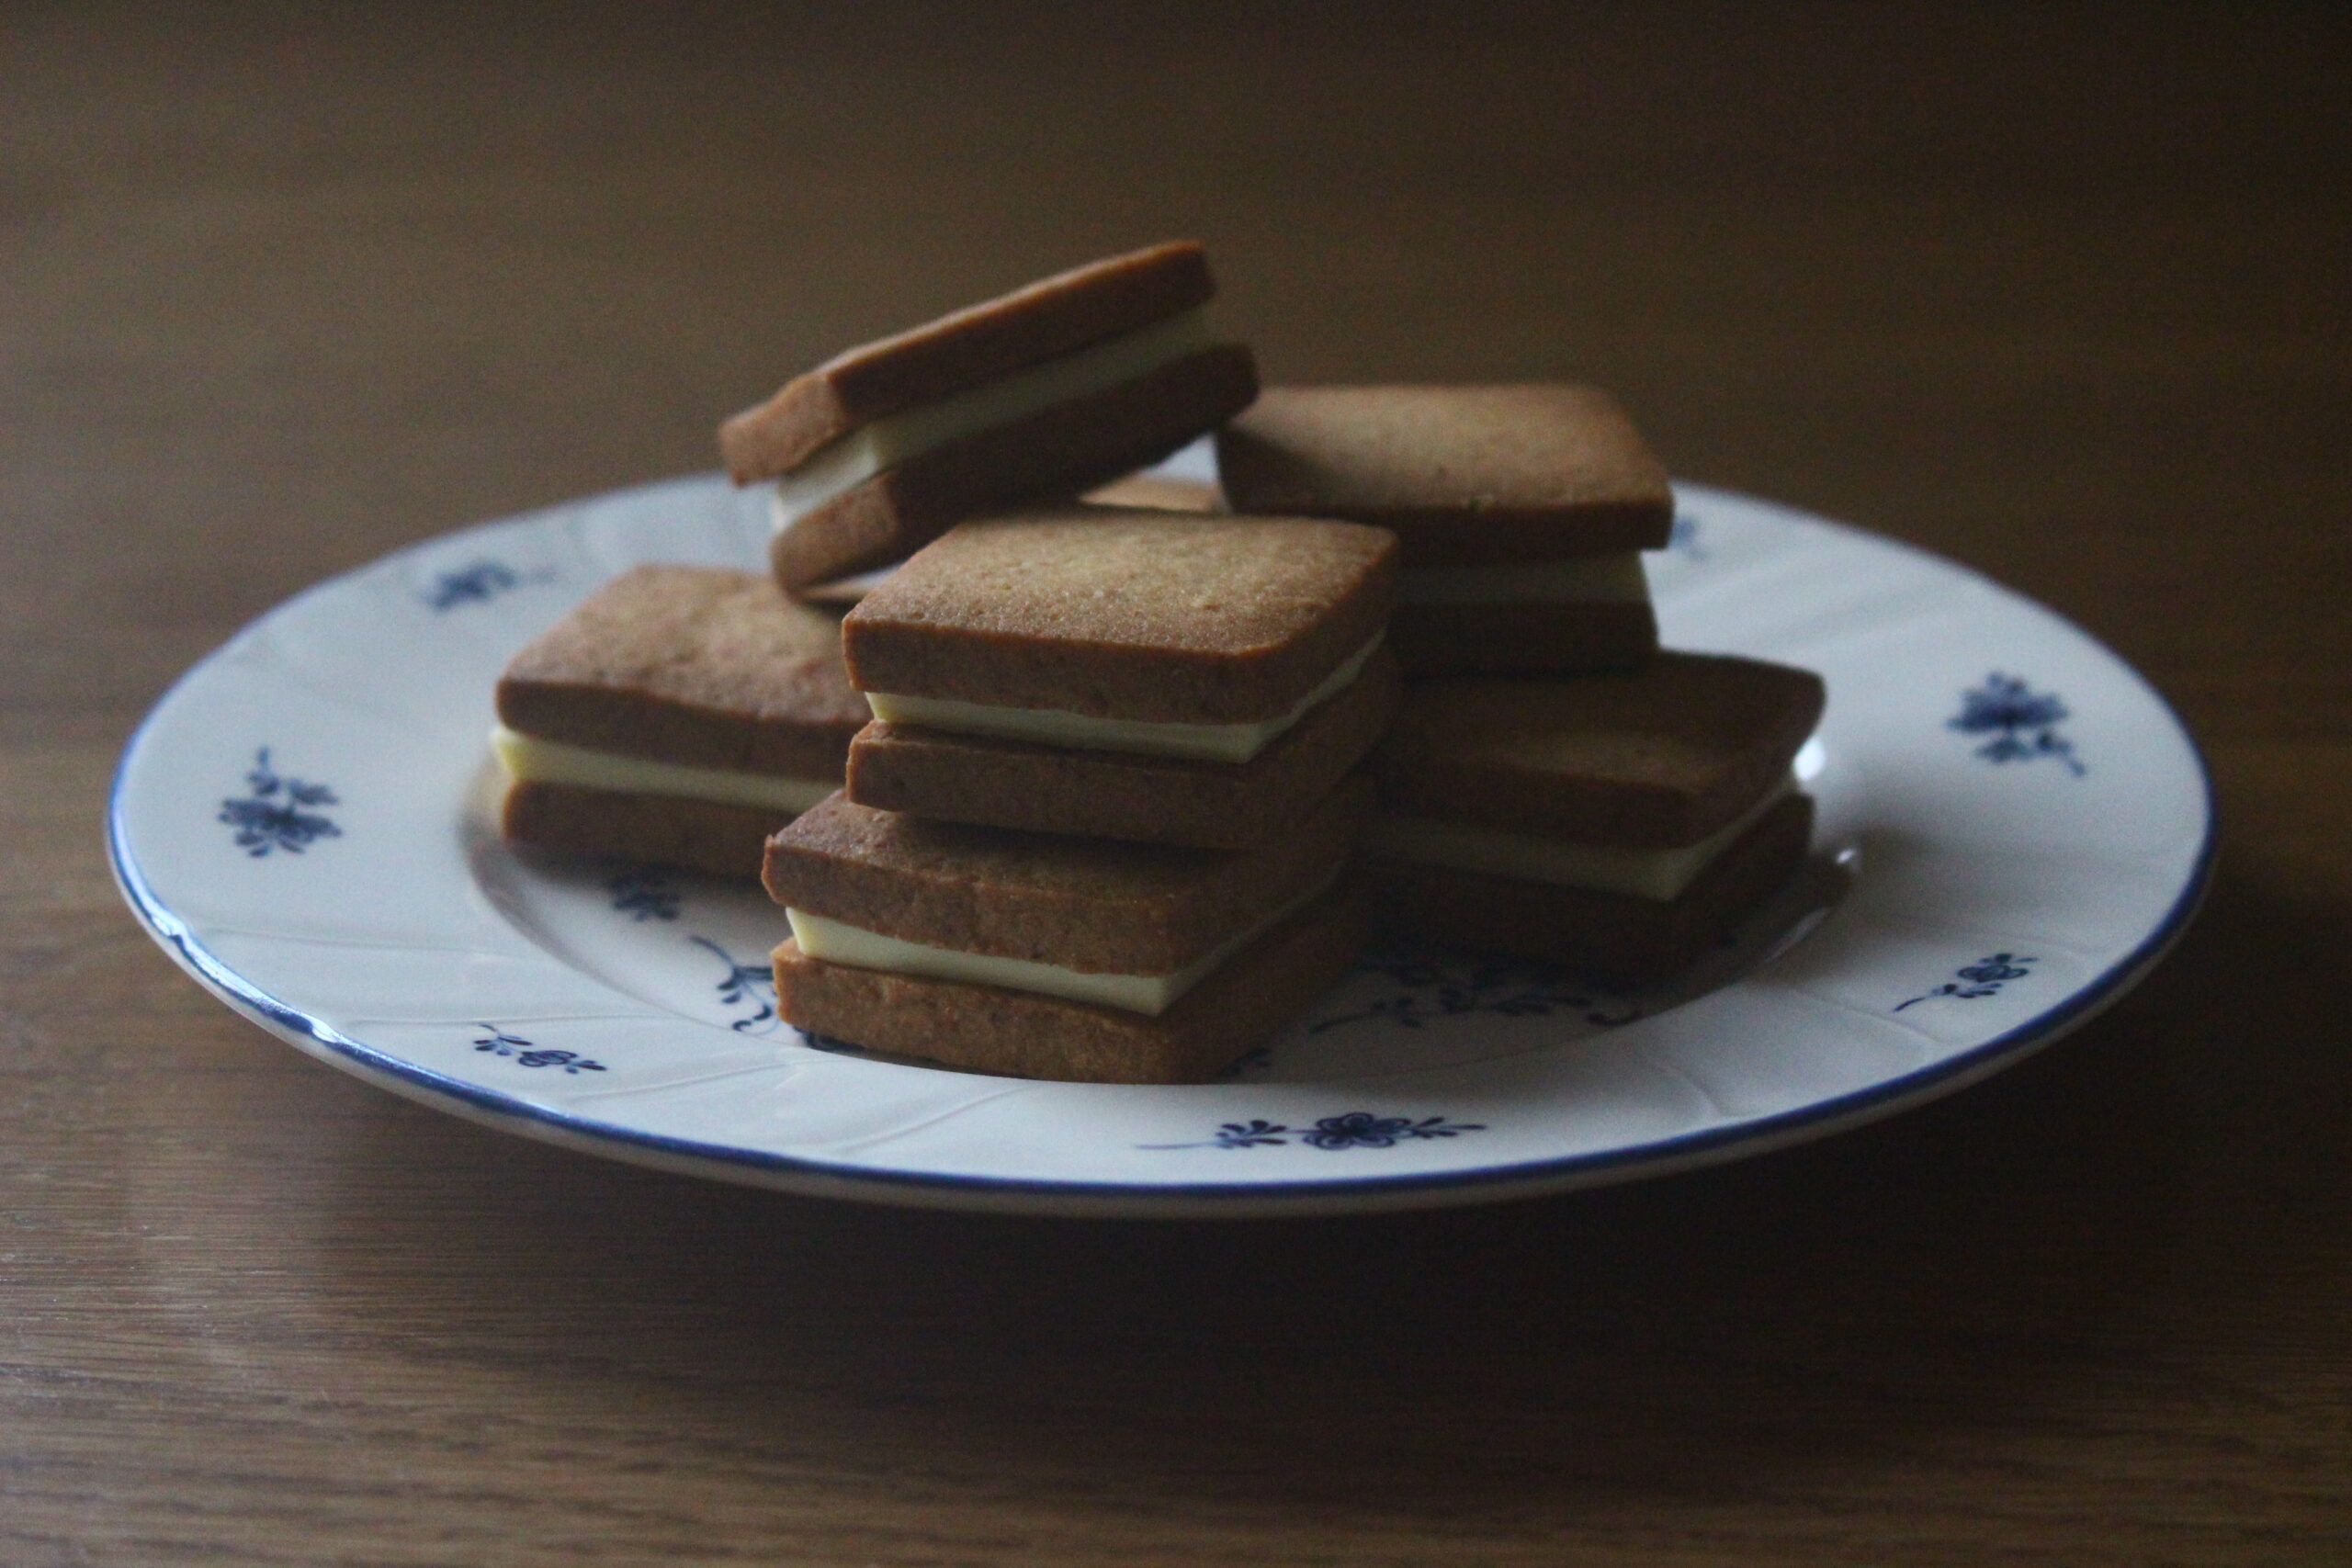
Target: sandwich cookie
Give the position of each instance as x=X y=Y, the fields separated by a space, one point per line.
x=1048 y=956
x=1130 y=674
x=1522 y=510
x=1616 y=824
x=678 y=716
x=1051 y=390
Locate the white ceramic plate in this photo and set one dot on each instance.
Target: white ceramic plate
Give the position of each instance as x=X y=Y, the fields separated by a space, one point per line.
x=2013 y=827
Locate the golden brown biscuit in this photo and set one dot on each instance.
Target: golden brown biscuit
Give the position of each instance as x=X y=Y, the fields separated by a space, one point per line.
x=668 y=668
x=1609 y=936
x=1657 y=758
x=1486 y=486
x=989 y=1029
x=1112 y=794
x=1076 y=443
x=1465 y=476
x=1085 y=904
x=1127 y=614
x=654 y=829
x=965 y=348
x=1166 y=492
x=694 y=666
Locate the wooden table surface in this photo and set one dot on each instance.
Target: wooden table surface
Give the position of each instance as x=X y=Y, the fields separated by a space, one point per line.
x=2061 y=294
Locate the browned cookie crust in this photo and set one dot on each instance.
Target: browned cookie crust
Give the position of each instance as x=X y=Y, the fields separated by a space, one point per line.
x=968 y=348
x=1111 y=795
x=690 y=665
x=1467 y=476
x=1609 y=936
x=1022 y=1035
x=1069 y=446
x=1655 y=758
x=656 y=829
x=1523 y=639
x=1085 y=904
x=1127 y=614
x=1164 y=492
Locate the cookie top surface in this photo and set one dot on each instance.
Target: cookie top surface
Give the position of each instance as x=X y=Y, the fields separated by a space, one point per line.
x=1054 y=316
x=694 y=665
x=1089 y=904
x=1125 y=613
x=1465 y=475
x=1657 y=758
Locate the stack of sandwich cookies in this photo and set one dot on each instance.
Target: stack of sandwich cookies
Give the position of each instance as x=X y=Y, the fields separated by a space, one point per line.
x=1125 y=673
x=1051 y=390
x=1618 y=825
x=1071 y=793
x=1521 y=509
x=1044 y=956
x=678 y=716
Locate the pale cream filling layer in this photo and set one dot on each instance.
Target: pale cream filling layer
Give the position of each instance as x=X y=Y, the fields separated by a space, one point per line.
x=1055 y=726
x=1611 y=579
x=836 y=942
x=1659 y=875
x=557 y=762
x=850 y=460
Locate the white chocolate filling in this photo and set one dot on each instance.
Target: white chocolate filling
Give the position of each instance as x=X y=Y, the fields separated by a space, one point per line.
x=851 y=459
x=1590 y=580
x=528 y=757
x=1659 y=875
x=836 y=942
x=1056 y=726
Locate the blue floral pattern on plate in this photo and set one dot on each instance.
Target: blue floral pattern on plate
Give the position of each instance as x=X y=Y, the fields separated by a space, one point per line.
x=477 y=584
x=1982 y=978
x=2023 y=723
x=1441 y=986
x=498 y=1042
x=349 y=958
x=643 y=894
x=274 y=815
x=745 y=985
x=1351 y=1130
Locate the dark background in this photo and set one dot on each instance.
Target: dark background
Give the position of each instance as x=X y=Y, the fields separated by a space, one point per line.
x=2060 y=292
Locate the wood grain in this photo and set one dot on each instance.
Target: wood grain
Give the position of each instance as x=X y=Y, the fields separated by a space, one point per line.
x=2058 y=292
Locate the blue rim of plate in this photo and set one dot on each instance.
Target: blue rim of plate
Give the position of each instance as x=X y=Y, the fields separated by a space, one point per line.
x=1171 y=1200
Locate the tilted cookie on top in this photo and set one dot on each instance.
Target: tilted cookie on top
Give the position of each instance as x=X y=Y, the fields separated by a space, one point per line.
x=1048 y=390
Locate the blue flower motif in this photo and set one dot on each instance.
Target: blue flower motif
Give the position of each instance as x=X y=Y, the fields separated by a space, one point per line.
x=273 y=818
x=1243 y=1135
x=643 y=895
x=1449 y=986
x=2023 y=723
x=498 y=1042
x=1683 y=538
x=478 y=583
x=1352 y=1130
x=745 y=985
x=1362 y=1129
x=1982 y=978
